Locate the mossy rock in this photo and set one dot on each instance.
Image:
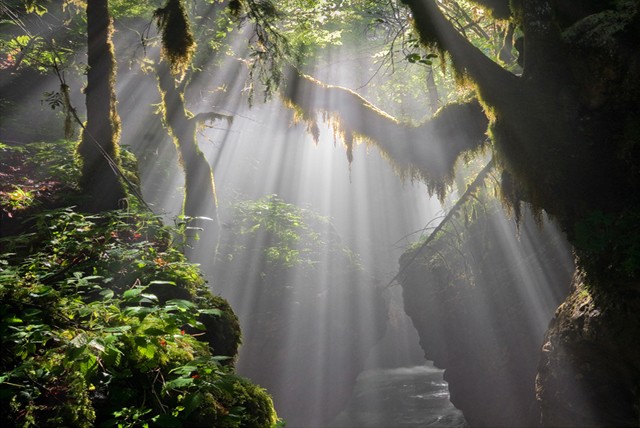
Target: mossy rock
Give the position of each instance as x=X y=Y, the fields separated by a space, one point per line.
x=258 y=410
x=589 y=370
x=222 y=332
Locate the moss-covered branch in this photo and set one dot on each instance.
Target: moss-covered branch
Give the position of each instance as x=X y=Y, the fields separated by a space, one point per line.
x=453 y=212
x=428 y=151
x=178 y=44
x=494 y=83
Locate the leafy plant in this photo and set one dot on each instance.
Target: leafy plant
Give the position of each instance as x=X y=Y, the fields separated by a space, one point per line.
x=17 y=199
x=289 y=235
x=105 y=324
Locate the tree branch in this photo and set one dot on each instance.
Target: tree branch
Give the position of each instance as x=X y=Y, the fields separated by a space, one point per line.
x=427 y=152
x=495 y=84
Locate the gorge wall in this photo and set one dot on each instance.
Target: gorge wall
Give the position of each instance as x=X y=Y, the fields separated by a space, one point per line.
x=481 y=296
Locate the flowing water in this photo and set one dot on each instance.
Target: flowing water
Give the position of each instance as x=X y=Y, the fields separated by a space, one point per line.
x=400 y=397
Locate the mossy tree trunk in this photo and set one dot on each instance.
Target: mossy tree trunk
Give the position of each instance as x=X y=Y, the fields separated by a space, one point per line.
x=98 y=150
x=200 y=202
x=558 y=144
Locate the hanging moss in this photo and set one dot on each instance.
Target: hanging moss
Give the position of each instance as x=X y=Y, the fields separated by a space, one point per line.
x=235 y=6
x=178 y=44
x=427 y=152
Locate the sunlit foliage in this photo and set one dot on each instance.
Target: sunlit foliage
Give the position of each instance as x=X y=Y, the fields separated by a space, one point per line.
x=115 y=321
x=292 y=236
x=104 y=322
x=123 y=9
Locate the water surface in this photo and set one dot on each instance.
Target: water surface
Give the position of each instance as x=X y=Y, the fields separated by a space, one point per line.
x=400 y=398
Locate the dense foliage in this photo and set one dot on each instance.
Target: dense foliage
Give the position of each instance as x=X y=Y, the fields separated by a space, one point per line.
x=289 y=235
x=104 y=322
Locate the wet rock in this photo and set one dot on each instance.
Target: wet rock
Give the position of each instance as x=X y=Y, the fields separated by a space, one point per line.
x=589 y=373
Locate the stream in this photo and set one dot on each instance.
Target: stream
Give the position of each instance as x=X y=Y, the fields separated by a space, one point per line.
x=400 y=398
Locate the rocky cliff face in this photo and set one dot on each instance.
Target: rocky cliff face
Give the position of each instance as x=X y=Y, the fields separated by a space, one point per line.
x=481 y=297
x=590 y=365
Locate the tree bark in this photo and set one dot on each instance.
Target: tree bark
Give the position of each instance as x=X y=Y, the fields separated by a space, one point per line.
x=505 y=54
x=98 y=150
x=545 y=59
x=432 y=91
x=200 y=192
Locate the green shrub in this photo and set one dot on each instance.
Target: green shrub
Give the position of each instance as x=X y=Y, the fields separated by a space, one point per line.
x=101 y=324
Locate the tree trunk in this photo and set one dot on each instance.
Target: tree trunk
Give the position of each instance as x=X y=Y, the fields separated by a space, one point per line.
x=495 y=84
x=200 y=193
x=98 y=149
x=566 y=135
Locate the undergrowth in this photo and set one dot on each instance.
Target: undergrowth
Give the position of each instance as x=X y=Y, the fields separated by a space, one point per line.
x=104 y=323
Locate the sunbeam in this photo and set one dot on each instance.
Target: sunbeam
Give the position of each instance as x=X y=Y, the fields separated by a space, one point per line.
x=319 y=214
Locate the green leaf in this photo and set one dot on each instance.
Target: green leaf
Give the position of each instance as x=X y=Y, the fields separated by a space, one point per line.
x=184 y=370
x=413 y=58
x=88 y=364
x=106 y=294
x=180 y=382
x=13 y=320
x=80 y=340
x=96 y=345
x=221 y=357
x=145 y=348
x=148 y=297
x=162 y=282
x=180 y=304
x=154 y=331
x=192 y=402
x=214 y=312
x=131 y=293
x=118 y=329
x=41 y=292
x=140 y=312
